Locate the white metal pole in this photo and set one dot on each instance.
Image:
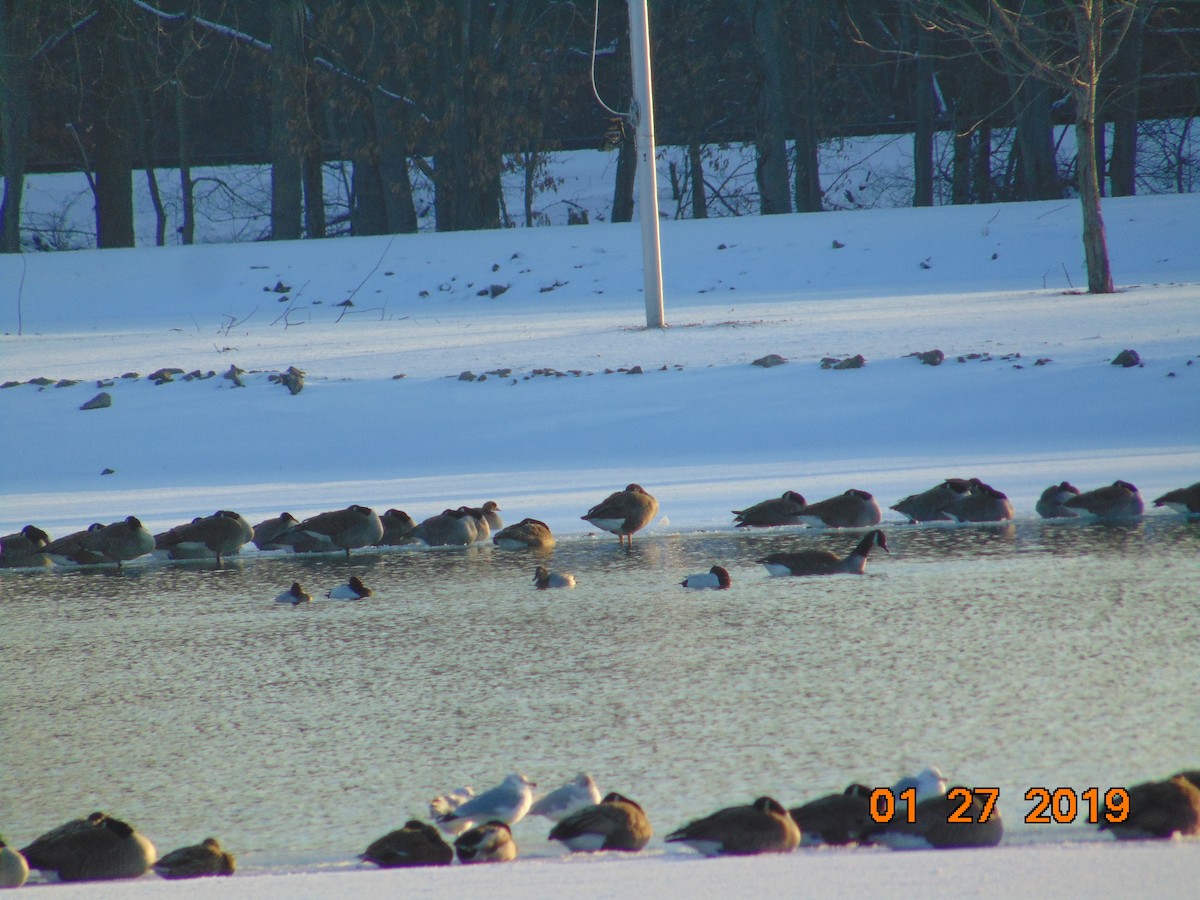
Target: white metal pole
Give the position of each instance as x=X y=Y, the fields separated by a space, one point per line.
x=643 y=118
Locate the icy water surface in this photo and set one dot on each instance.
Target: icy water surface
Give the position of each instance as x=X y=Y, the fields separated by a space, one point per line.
x=180 y=698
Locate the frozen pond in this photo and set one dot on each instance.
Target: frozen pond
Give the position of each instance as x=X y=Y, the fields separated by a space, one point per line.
x=180 y=698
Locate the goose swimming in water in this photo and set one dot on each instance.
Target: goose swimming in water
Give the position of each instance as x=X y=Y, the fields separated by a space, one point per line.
x=825 y=562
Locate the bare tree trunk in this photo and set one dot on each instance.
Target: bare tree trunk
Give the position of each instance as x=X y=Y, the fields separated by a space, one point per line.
x=925 y=112
x=807 y=192
x=287 y=108
x=393 y=168
x=622 y=210
x=113 y=129
x=771 y=172
x=187 y=229
x=1089 y=28
x=16 y=38
x=1123 y=167
x=984 y=191
x=699 y=188
x=960 y=178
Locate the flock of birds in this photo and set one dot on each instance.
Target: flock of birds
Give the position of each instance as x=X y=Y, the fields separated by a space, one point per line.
x=623 y=513
x=101 y=847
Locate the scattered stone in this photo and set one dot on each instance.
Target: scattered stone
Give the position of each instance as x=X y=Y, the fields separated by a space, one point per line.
x=105 y=382
x=283 y=298
x=423 y=294
x=398 y=376
x=995 y=256
x=852 y=362
x=9 y=384
x=346 y=303
x=927 y=263
x=722 y=246
x=102 y=400
x=292 y=379
x=837 y=245
x=1170 y=374
x=930 y=357
x=107 y=471
x=769 y=361
x=466 y=376
x=500 y=373
x=545 y=289
x=42 y=382
x=1043 y=361
x=495 y=290
x=482 y=378
x=281 y=288
x=164 y=375
x=235 y=375
x=636 y=370
x=1127 y=359
x=131 y=375
x=65 y=382
x=495 y=267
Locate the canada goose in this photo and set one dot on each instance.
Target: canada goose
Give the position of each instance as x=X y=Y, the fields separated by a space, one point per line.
x=1158 y=809
x=209 y=537
x=577 y=793
x=837 y=819
x=623 y=512
x=92 y=849
x=1183 y=500
x=479 y=518
x=982 y=503
x=490 y=842
x=508 y=802
x=853 y=509
x=267 y=531
x=762 y=827
x=120 y=541
x=450 y=527
x=490 y=513
x=783 y=510
x=532 y=534
x=545 y=579
x=1119 y=500
x=416 y=844
x=73 y=548
x=442 y=805
x=615 y=823
x=13 y=868
x=931 y=505
x=398 y=528
x=295 y=595
x=716 y=578
x=1052 y=503
x=197 y=861
x=824 y=562
x=340 y=529
x=932 y=827
x=25 y=548
x=353 y=590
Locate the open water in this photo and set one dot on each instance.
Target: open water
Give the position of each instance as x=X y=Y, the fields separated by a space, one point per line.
x=180 y=698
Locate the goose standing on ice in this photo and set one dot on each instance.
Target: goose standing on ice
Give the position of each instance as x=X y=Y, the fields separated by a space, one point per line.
x=777 y=511
x=615 y=823
x=762 y=827
x=1119 y=500
x=340 y=529
x=624 y=512
x=853 y=509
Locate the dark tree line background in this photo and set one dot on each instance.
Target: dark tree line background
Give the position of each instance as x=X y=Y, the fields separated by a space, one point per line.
x=462 y=89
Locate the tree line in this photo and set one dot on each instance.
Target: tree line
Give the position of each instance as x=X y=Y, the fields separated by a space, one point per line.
x=463 y=90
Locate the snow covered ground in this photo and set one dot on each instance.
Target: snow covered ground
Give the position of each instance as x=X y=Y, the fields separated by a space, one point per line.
x=699 y=426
